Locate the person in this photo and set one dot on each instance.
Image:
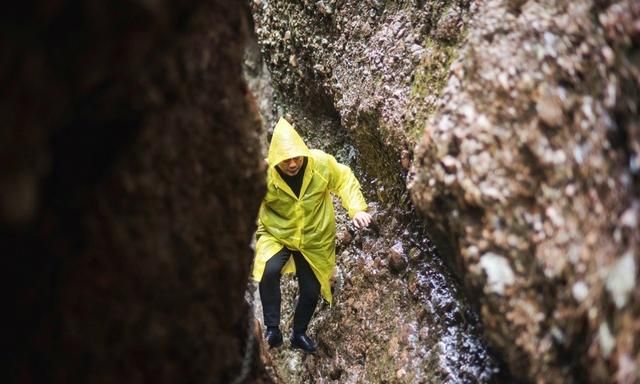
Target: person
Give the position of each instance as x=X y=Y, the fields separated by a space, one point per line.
x=296 y=229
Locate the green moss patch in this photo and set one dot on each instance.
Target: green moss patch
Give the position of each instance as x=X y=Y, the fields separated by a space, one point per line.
x=429 y=80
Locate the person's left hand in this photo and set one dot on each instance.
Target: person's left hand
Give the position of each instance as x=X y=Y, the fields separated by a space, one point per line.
x=361 y=219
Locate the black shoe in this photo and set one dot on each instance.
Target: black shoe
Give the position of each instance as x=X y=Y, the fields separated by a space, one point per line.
x=303 y=342
x=273 y=336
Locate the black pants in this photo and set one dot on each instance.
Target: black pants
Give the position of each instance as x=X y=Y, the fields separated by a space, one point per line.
x=308 y=287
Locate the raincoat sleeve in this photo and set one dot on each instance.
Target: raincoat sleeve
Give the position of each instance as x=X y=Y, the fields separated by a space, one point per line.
x=343 y=183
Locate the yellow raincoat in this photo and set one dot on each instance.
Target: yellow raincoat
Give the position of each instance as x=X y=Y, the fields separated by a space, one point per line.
x=305 y=224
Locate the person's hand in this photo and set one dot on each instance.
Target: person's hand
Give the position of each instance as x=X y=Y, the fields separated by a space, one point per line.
x=361 y=219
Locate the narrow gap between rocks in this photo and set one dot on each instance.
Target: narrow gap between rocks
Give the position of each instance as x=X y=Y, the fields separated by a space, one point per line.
x=399 y=313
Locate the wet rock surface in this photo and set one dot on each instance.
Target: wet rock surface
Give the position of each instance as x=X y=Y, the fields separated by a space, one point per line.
x=405 y=325
x=353 y=77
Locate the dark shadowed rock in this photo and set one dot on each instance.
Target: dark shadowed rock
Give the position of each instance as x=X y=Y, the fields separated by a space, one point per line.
x=397 y=258
x=343 y=238
x=130 y=182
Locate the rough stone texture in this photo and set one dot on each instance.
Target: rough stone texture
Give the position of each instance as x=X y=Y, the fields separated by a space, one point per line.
x=387 y=325
x=530 y=168
x=368 y=69
x=527 y=172
x=354 y=78
x=258 y=80
x=131 y=177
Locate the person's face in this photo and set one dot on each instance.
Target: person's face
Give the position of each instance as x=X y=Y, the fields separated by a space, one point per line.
x=291 y=166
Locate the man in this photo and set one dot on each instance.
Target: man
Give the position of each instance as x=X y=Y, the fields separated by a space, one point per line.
x=296 y=229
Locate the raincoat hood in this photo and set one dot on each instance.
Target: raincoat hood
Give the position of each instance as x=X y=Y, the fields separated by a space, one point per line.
x=286 y=143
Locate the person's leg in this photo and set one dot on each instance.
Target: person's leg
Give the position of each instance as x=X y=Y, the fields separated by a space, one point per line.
x=270 y=288
x=309 y=290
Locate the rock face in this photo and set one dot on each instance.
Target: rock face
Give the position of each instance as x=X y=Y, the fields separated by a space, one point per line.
x=355 y=78
x=369 y=70
x=130 y=182
x=387 y=324
x=531 y=164
x=526 y=172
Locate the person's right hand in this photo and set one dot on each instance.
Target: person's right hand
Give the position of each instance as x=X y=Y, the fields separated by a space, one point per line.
x=361 y=219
